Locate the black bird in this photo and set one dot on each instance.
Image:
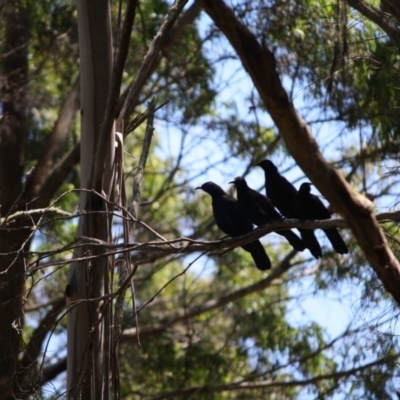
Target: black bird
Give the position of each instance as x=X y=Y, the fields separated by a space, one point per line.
x=260 y=211
x=309 y=206
x=283 y=194
x=233 y=222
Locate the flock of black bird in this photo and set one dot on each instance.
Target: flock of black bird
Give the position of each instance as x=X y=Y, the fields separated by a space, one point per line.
x=236 y=217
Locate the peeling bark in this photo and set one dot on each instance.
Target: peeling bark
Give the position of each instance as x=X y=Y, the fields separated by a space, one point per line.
x=89 y=326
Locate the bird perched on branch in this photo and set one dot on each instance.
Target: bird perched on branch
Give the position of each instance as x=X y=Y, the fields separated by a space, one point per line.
x=231 y=220
x=260 y=211
x=283 y=194
x=309 y=206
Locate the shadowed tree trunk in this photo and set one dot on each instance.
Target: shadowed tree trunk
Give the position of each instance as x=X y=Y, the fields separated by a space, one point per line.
x=13 y=238
x=18 y=373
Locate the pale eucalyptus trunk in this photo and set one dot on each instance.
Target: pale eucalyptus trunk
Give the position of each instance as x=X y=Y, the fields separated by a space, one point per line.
x=89 y=316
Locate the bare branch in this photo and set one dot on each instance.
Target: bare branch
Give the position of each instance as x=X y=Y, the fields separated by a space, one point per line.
x=210 y=305
x=57 y=176
x=259 y=61
x=149 y=60
x=54 y=143
x=53 y=370
x=379 y=17
x=338 y=375
x=34 y=347
x=141 y=117
x=38 y=211
x=153 y=250
x=186 y=19
x=181 y=24
x=137 y=182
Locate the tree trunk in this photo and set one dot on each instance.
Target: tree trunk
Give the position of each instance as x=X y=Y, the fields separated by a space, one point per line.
x=14 y=239
x=88 y=328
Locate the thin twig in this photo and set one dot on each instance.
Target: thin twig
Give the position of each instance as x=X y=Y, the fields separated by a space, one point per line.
x=216 y=303
x=151 y=251
x=149 y=60
x=39 y=211
x=339 y=375
x=137 y=182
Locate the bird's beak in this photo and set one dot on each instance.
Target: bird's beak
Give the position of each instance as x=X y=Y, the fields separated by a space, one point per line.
x=198 y=188
x=232 y=182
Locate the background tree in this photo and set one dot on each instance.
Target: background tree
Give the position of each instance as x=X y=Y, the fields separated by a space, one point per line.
x=209 y=324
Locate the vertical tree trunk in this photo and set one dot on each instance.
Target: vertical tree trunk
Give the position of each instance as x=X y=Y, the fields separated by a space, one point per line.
x=13 y=238
x=88 y=328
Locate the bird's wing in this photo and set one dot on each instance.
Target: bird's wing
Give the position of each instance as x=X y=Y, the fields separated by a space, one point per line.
x=229 y=218
x=319 y=209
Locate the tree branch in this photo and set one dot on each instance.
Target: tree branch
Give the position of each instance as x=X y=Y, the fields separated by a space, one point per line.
x=30 y=213
x=57 y=176
x=260 y=64
x=51 y=371
x=157 y=328
x=151 y=251
x=185 y=392
x=379 y=17
x=137 y=181
x=34 y=346
x=28 y=364
x=186 y=19
x=54 y=143
x=149 y=60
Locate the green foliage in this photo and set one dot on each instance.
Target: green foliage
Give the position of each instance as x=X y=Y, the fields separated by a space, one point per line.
x=253 y=339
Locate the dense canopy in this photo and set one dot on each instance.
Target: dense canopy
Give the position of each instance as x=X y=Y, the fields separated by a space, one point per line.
x=112 y=113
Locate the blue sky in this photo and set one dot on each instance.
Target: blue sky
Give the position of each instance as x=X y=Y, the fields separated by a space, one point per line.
x=334 y=310
x=331 y=309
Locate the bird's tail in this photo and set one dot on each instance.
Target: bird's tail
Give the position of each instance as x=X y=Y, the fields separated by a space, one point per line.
x=293 y=239
x=260 y=257
x=337 y=241
x=311 y=242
